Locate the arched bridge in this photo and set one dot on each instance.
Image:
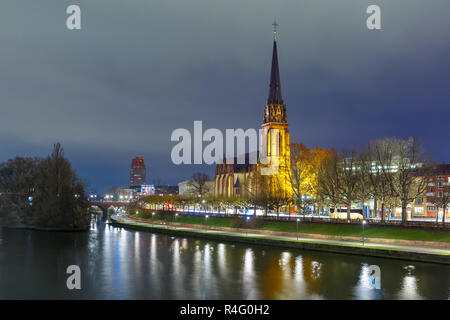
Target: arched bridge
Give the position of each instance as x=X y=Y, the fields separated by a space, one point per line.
x=105 y=205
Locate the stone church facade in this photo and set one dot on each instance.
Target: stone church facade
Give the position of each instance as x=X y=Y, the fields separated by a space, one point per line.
x=233 y=179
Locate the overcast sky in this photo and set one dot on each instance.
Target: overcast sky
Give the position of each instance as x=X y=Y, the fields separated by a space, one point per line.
x=138 y=69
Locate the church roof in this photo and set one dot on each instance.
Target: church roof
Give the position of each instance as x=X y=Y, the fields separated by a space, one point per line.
x=275 y=83
x=241 y=167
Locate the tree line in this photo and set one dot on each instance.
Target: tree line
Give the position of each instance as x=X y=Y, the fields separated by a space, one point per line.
x=43 y=193
x=393 y=173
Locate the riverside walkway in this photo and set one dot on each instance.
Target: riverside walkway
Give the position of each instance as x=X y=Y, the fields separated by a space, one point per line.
x=444 y=254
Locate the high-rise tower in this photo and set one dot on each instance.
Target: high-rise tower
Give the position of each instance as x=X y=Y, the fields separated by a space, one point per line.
x=137 y=172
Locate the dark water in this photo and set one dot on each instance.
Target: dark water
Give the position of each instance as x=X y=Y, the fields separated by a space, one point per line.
x=120 y=264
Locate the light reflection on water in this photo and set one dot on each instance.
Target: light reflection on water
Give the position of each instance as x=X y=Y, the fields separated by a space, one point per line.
x=121 y=264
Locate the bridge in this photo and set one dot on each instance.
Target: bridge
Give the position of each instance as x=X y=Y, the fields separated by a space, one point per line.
x=105 y=205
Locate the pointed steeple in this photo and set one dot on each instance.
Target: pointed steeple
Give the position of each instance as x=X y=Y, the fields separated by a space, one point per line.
x=275 y=110
x=275 y=83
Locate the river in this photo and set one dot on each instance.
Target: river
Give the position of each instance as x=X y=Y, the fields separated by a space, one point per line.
x=120 y=264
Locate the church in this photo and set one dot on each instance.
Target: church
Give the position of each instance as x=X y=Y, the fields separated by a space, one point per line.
x=235 y=180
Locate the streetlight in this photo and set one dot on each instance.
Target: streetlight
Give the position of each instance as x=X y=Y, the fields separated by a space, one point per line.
x=247 y=226
x=175 y=217
x=363 y=223
x=297 y=227
x=206 y=221
x=152 y=215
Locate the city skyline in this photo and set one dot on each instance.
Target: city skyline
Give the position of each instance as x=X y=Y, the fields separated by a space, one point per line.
x=109 y=100
x=225 y=158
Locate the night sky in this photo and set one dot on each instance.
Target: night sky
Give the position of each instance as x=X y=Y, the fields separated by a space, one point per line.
x=138 y=69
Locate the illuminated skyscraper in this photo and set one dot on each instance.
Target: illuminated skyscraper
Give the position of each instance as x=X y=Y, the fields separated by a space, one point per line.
x=137 y=172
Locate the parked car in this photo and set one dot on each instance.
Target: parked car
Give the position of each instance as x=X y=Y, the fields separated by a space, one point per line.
x=355 y=214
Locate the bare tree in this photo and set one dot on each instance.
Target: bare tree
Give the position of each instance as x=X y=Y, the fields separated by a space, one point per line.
x=349 y=178
x=17 y=177
x=60 y=193
x=56 y=195
x=399 y=162
x=303 y=175
x=391 y=202
x=300 y=175
x=329 y=181
x=373 y=156
x=198 y=183
x=365 y=188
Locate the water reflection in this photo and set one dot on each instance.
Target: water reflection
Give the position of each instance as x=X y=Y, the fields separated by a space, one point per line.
x=121 y=264
x=248 y=274
x=409 y=287
x=364 y=290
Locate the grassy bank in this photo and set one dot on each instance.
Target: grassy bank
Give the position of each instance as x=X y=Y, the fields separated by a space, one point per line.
x=211 y=221
x=371 y=231
x=305 y=244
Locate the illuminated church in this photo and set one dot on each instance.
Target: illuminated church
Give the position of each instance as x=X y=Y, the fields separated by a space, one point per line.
x=234 y=180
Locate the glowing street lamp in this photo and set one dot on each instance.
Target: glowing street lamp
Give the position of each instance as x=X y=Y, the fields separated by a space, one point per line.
x=153 y=215
x=203 y=205
x=363 y=223
x=297 y=227
x=246 y=220
x=206 y=221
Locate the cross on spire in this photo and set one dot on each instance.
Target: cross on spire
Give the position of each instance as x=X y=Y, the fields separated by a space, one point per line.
x=275 y=29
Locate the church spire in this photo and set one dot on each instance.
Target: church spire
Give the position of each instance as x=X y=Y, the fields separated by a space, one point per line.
x=275 y=83
x=275 y=110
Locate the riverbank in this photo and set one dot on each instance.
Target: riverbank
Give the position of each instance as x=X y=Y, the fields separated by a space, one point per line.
x=322 y=236
x=368 y=249
x=333 y=231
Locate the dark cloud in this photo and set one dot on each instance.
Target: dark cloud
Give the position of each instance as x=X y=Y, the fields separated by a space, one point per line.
x=139 y=69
